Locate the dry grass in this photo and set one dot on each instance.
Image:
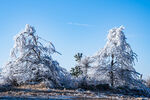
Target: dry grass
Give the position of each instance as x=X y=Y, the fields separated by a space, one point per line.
x=40 y=91
x=40 y=86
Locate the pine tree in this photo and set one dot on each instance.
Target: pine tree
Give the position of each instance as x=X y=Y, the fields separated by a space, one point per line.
x=76 y=71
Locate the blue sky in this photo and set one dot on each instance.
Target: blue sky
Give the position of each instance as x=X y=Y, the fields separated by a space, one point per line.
x=78 y=26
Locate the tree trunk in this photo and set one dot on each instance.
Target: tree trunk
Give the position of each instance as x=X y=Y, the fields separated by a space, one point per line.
x=85 y=80
x=111 y=72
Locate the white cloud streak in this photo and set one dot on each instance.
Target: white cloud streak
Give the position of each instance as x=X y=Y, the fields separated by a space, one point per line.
x=79 y=24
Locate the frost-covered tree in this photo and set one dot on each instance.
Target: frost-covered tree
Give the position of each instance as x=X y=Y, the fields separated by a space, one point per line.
x=31 y=61
x=116 y=59
x=114 y=63
x=85 y=65
x=81 y=68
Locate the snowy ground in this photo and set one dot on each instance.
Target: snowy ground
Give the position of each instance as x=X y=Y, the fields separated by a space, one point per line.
x=38 y=92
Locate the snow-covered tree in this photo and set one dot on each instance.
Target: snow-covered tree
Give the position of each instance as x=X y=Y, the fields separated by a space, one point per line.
x=85 y=65
x=31 y=61
x=114 y=63
x=81 y=68
x=116 y=59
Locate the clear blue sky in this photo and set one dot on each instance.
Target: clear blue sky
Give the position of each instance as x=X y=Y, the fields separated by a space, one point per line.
x=78 y=26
